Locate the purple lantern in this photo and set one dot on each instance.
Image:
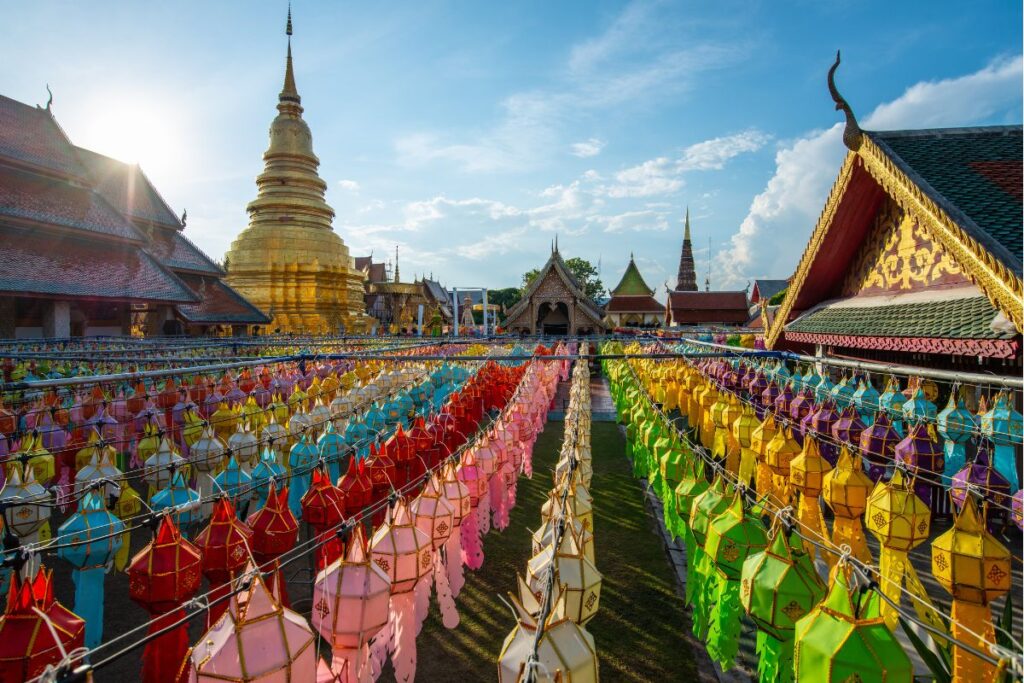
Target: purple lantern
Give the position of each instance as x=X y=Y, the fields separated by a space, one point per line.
x=849 y=427
x=878 y=445
x=981 y=474
x=922 y=453
x=821 y=421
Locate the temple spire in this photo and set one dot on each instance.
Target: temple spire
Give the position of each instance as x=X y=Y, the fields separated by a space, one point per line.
x=396 y=264
x=686 y=279
x=289 y=93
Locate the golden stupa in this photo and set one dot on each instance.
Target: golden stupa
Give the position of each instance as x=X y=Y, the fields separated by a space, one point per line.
x=289 y=261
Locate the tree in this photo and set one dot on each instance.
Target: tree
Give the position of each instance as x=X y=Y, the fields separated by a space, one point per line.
x=581 y=269
x=507 y=297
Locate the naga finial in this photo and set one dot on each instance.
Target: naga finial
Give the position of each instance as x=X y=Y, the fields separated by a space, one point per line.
x=184 y=217
x=852 y=134
x=49 y=102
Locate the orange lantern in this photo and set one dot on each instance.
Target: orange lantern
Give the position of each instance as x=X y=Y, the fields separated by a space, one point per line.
x=846 y=490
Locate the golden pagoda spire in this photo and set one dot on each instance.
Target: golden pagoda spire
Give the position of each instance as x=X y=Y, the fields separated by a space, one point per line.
x=289 y=93
x=686 y=233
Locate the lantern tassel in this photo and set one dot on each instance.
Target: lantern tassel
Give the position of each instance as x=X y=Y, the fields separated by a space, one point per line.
x=774 y=659
x=968 y=619
x=163 y=655
x=453 y=562
x=483 y=510
x=810 y=518
x=724 y=630
x=748 y=465
x=403 y=641
x=445 y=599
x=422 y=592
x=89 y=602
x=472 y=553
x=848 y=530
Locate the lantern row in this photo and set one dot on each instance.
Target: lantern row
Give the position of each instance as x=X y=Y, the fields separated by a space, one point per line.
x=899 y=518
x=266 y=597
x=562 y=588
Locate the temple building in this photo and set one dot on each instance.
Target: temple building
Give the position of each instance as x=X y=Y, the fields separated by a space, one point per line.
x=762 y=310
x=289 y=261
x=89 y=247
x=554 y=304
x=632 y=302
x=392 y=304
x=917 y=255
x=686 y=306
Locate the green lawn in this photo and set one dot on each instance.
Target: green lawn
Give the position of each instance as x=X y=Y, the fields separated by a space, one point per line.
x=638 y=630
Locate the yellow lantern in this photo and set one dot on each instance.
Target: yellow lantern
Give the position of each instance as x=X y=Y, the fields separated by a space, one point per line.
x=778 y=454
x=707 y=398
x=846 y=490
x=759 y=440
x=807 y=476
x=719 y=444
x=694 y=386
x=565 y=650
x=733 y=411
x=743 y=431
x=975 y=568
x=900 y=521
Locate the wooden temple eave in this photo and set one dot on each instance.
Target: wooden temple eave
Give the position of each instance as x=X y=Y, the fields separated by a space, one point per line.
x=987 y=348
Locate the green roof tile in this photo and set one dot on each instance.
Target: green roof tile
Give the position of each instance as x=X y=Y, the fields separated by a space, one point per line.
x=966 y=318
x=632 y=283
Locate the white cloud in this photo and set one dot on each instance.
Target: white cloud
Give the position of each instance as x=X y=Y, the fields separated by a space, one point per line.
x=662 y=175
x=635 y=221
x=350 y=185
x=588 y=148
x=773 y=235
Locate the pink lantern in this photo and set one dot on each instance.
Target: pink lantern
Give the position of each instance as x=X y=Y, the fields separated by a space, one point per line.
x=350 y=606
x=258 y=639
x=433 y=515
x=406 y=555
x=457 y=495
x=473 y=525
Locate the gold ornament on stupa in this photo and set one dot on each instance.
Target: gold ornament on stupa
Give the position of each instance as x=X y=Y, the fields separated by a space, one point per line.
x=289 y=261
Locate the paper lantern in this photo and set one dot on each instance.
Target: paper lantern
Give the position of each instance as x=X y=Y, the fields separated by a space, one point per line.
x=865 y=399
x=161 y=466
x=258 y=639
x=90 y=538
x=161 y=577
x=759 y=440
x=29 y=512
x=236 y=484
x=778 y=455
x=982 y=475
x=433 y=515
x=975 y=568
x=1018 y=509
x=891 y=402
x=544 y=536
x=848 y=428
x=36 y=631
x=778 y=586
x=268 y=469
x=300 y=463
x=807 y=477
x=579 y=501
x=245 y=447
x=223 y=544
x=350 y=606
x=956 y=425
x=579 y=579
x=457 y=495
x=923 y=456
x=700 y=568
x=732 y=536
x=844 y=639
x=274 y=533
x=405 y=553
x=878 y=445
x=1004 y=426
x=565 y=651
x=181 y=502
x=845 y=489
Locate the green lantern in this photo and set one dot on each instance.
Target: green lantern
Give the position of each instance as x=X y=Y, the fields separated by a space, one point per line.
x=778 y=586
x=845 y=639
x=699 y=571
x=732 y=536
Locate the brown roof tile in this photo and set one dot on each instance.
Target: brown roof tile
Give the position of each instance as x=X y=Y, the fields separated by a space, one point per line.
x=219 y=303
x=128 y=189
x=30 y=135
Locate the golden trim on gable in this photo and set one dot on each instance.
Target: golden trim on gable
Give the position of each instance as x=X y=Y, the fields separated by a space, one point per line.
x=1002 y=287
x=835 y=195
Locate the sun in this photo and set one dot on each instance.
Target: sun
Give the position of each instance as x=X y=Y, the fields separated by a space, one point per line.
x=136 y=132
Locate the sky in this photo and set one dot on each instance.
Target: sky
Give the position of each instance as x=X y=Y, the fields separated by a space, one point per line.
x=470 y=134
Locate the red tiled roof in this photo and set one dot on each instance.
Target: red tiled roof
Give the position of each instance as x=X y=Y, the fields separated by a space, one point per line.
x=30 y=136
x=362 y=261
x=219 y=303
x=35 y=262
x=699 y=308
x=622 y=303
x=176 y=251
x=128 y=189
x=41 y=199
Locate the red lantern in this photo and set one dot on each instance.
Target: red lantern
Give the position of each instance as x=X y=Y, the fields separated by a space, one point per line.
x=356 y=487
x=223 y=544
x=274 y=532
x=323 y=508
x=27 y=644
x=161 y=577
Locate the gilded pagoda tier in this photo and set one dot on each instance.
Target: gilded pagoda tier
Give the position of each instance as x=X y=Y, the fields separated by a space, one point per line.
x=289 y=261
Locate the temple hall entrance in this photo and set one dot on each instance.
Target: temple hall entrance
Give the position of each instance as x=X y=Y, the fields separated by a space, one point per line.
x=553 y=319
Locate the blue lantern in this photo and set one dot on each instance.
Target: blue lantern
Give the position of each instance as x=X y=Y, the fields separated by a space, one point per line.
x=300 y=460
x=236 y=483
x=89 y=539
x=866 y=400
x=956 y=425
x=268 y=468
x=1003 y=425
x=182 y=500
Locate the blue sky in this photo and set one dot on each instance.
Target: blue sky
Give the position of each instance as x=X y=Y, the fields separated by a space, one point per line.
x=471 y=133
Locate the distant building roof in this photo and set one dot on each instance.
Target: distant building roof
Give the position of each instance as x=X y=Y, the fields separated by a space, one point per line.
x=634 y=304
x=30 y=136
x=766 y=289
x=704 y=308
x=632 y=282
